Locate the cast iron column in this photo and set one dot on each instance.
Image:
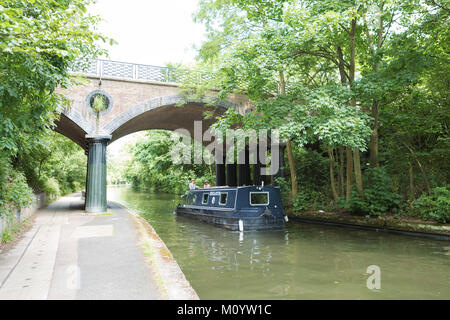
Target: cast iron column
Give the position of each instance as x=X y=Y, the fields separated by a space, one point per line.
x=220 y=174
x=231 y=174
x=257 y=169
x=241 y=167
x=96 y=177
x=248 y=178
x=87 y=170
x=244 y=169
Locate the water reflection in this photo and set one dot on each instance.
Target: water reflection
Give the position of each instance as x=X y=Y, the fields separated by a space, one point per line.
x=302 y=261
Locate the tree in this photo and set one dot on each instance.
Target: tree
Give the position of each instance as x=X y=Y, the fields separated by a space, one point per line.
x=388 y=57
x=279 y=48
x=40 y=41
x=152 y=167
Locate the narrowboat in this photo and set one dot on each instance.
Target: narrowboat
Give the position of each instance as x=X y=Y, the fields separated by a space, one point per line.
x=236 y=208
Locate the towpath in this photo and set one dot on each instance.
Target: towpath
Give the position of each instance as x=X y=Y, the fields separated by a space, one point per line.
x=68 y=254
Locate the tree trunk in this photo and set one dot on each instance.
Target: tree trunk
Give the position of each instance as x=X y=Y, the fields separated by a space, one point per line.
x=332 y=180
x=422 y=170
x=375 y=105
x=352 y=64
x=341 y=65
x=294 y=186
x=411 y=182
x=282 y=83
x=339 y=180
x=358 y=175
x=341 y=171
x=373 y=146
x=356 y=159
x=349 y=172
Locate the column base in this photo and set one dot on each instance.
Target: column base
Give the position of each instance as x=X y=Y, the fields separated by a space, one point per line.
x=96 y=209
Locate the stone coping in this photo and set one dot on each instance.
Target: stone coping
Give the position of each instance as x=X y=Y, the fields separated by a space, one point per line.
x=405 y=226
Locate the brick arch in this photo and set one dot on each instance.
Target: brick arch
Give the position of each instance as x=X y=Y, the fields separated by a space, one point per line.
x=74 y=126
x=168 y=112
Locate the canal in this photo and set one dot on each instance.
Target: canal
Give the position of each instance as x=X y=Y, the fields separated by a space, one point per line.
x=303 y=261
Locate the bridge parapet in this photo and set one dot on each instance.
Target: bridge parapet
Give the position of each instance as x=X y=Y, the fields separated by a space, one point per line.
x=134 y=71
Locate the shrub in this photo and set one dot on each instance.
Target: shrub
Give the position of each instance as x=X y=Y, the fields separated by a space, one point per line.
x=285 y=188
x=15 y=192
x=435 y=206
x=379 y=197
x=308 y=198
x=76 y=186
x=51 y=187
x=301 y=202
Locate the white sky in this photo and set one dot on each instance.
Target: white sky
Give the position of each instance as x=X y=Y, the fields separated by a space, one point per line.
x=151 y=32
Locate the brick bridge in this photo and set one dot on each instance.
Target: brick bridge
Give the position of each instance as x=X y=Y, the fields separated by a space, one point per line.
x=139 y=97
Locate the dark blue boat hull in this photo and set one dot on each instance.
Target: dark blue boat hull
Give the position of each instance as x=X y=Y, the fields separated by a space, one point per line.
x=232 y=222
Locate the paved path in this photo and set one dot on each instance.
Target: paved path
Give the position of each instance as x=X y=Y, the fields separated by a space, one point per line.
x=68 y=254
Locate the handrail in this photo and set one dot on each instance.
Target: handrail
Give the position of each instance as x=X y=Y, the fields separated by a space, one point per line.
x=136 y=71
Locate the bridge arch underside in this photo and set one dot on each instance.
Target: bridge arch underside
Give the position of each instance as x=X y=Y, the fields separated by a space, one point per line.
x=70 y=129
x=170 y=117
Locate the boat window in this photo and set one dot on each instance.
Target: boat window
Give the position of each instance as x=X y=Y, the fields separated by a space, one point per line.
x=192 y=199
x=223 y=198
x=259 y=198
x=205 y=198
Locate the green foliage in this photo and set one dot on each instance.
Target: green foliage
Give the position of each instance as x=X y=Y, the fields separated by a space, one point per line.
x=15 y=192
x=379 y=197
x=314 y=191
x=435 y=206
x=284 y=186
x=51 y=187
x=310 y=199
x=40 y=41
x=57 y=169
x=339 y=73
x=312 y=169
x=9 y=233
x=152 y=167
x=60 y=168
x=99 y=103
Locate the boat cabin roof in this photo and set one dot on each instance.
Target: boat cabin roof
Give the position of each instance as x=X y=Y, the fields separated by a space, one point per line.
x=234 y=197
x=235 y=188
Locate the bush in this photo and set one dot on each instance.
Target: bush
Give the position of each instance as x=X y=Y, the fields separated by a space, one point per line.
x=379 y=197
x=310 y=199
x=285 y=189
x=14 y=191
x=76 y=186
x=307 y=198
x=51 y=187
x=435 y=206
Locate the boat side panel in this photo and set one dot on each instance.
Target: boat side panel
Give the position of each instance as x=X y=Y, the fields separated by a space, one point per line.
x=237 y=207
x=273 y=208
x=232 y=223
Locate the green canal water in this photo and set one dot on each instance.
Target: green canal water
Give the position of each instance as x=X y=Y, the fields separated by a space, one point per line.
x=303 y=261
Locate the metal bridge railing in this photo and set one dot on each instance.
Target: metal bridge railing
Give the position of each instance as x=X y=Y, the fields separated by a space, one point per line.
x=126 y=70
